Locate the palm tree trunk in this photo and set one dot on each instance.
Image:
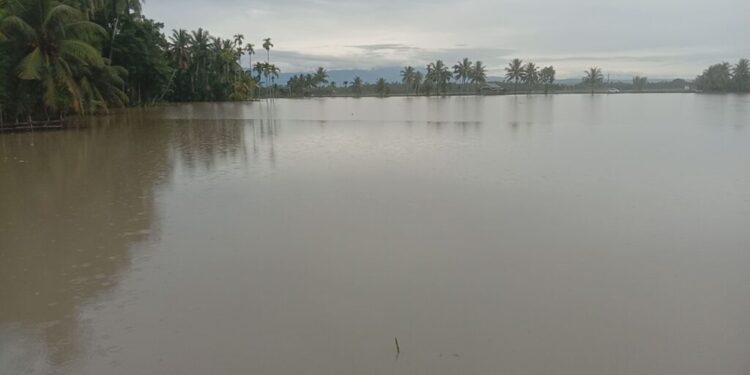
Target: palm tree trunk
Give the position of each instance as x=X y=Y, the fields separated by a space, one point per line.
x=169 y=83
x=112 y=42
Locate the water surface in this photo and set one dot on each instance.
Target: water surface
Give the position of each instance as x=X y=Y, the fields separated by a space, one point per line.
x=568 y=234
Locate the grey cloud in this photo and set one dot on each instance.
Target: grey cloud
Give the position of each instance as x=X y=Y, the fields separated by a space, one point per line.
x=383 y=46
x=637 y=35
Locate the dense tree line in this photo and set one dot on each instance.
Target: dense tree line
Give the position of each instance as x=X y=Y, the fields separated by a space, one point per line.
x=725 y=77
x=86 y=56
x=437 y=79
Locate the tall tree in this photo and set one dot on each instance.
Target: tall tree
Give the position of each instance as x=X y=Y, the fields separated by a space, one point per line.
x=267 y=45
x=439 y=75
x=407 y=77
x=593 y=77
x=59 y=61
x=357 y=86
x=462 y=71
x=199 y=50
x=238 y=39
x=741 y=75
x=639 y=83
x=478 y=74
x=417 y=81
x=381 y=86
x=547 y=77
x=320 y=77
x=514 y=72
x=141 y=48
x=530 y=75
x=250 y=49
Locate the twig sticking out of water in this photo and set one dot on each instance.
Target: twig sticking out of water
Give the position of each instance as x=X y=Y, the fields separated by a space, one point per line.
x=398 y=349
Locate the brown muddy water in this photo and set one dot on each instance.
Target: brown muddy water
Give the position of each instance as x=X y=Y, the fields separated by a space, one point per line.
x=568 y=234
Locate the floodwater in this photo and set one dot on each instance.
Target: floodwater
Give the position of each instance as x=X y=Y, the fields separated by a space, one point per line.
x=568 y=234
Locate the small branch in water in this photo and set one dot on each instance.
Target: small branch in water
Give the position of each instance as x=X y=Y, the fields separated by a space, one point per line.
x=398 y=349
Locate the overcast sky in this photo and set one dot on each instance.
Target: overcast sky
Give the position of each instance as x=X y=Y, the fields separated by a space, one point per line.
x=657 y=38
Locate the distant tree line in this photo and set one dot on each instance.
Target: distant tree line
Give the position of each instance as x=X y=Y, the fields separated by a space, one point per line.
x=87 y=56
x=725 y=77
x=438 y=78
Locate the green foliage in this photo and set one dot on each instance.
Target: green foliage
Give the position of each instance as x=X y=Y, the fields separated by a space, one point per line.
x=83 y=56
x=530 y=75
x=139 y=48
x=462 y=71
x=547 y=77
x=741 y=75
x=407 y=77
x=725 y=77
x=206 y=68
x=478 y=73
x=55 y=59
x=515 y=72
x=381 y=87
x=593 y=77
x=438 y=76
x=302 y=84
x=639 y=83
x=357 y=85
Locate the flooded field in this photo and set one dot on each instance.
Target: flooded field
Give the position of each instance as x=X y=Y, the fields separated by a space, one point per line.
x=566 y=235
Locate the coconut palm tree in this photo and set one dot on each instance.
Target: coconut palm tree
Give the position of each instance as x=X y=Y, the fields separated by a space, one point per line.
x=547 y=77
x=741 y=75
x=381 y=87
x=478 y=74
x=417 y=81
x=439 y=75
x=249 y=49
x=179 y=49
x=320 y=76
x=514 y=72
x=530 y=75
x=407 y=77
x=462 y=71
x=58 y=55
x=593 y=77
x=357 y=86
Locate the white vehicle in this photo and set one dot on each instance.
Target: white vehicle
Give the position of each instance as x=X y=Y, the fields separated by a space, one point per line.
x=613 y=91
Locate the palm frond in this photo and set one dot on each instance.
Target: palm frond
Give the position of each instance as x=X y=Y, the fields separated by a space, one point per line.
x=86 y=30
x=14 y=24
x=31 y=66
x=61 y=14
x=82 y=51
